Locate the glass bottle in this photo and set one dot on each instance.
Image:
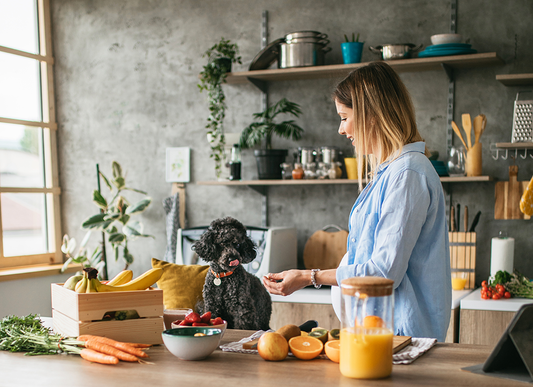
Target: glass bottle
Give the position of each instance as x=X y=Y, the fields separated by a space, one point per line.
x=235 y=163
x=367 y=308
x=286 y=171
x=298 y=172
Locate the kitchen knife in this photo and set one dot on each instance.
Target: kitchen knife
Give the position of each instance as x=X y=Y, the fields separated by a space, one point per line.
x=466 y=219
x=452 y=219
x=475 y=222
x=306 y=327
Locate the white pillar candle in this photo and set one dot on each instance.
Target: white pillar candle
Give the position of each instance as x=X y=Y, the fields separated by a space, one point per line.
x=502 y=255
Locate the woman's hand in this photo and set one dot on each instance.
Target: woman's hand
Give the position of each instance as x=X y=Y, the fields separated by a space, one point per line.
x=287 y=282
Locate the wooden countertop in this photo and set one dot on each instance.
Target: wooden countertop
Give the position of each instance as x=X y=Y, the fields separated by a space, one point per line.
x=441 y=366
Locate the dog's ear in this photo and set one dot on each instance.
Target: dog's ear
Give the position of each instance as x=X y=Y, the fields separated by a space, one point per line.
x=205 y=246
x=248 y=251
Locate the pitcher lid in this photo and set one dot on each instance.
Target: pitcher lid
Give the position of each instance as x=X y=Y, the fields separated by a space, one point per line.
x=371 y=286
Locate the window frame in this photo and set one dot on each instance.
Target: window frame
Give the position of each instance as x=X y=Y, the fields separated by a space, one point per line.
x=49 y=125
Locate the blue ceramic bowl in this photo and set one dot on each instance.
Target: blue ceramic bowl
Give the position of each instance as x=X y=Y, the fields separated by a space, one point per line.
x=183 y=343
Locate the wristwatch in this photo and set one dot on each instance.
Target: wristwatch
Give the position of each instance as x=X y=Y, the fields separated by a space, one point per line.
x=313 y=279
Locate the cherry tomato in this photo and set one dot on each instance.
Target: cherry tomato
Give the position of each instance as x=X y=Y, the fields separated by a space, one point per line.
x=484 y=284
x=484 y=296
x=507 y=295
x=496 y=297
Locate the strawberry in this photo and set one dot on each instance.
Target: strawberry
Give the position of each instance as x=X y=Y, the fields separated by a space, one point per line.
x=218 y=321
x=200 y=324
x=192 y=317
x=185 y=323
x=206 y=317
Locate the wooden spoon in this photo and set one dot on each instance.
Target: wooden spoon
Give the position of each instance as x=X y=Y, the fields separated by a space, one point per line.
x=458 y=133
x=484 y=124
x=467 y=127
x=478 y=123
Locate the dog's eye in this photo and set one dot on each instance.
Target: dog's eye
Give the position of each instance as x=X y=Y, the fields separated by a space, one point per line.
x=238 y=245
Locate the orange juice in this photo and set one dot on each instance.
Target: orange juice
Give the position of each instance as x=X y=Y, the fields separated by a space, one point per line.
x=458 y=283
x=366 y=353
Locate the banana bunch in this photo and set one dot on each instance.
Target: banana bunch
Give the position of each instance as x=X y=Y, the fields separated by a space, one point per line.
x=123 y=281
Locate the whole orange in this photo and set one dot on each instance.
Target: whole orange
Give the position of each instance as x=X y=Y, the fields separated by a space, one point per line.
x=272 y=346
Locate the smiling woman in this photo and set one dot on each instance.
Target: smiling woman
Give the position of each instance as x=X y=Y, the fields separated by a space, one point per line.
x=30 y=230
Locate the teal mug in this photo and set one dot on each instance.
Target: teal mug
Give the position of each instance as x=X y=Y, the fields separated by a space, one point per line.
x=351 y=52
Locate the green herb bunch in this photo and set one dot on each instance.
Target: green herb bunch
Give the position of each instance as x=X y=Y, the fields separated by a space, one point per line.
x=354 y=39
x=517 y=284
x=219 y=60
x=27 y=334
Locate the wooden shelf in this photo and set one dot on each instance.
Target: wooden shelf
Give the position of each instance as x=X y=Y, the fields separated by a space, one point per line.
x=514 y=145
x=340 y=70
x=463 y=179
x=515 y=79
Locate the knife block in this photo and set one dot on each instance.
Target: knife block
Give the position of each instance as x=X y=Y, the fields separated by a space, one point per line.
x=463 y=255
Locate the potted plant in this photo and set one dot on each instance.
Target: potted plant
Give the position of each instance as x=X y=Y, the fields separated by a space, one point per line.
x=352 y=50
x=261 y=132
x=219 y=60
x=115 y=216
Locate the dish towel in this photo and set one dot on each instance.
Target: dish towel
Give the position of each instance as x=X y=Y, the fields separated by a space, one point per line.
x=409 y=354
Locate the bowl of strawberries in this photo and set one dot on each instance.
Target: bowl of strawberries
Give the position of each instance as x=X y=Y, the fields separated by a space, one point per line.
x=194 y=319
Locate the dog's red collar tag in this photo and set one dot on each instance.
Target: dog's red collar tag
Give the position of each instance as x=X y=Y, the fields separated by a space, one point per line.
x=218 y=276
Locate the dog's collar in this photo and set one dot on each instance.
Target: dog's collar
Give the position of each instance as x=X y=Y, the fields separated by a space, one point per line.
x=222 y=275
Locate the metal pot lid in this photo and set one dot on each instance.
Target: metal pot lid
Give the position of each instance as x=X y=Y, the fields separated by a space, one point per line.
x=397 y=44
x=267 y=56
x=305 y=34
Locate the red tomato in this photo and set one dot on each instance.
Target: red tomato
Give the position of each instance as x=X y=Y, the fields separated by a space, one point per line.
x=484 y=284
x=507 y=295
x=484 y=296
x=496 y=297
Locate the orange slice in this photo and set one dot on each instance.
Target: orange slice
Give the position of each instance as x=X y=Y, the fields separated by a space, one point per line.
x=373 y=322
x=333 y=350
x=305 y=347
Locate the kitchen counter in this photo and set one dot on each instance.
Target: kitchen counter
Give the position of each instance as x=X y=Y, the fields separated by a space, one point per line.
x=475 y=302
x=441 y=366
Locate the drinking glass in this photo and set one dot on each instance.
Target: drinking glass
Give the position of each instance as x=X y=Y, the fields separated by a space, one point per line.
x=456 y=161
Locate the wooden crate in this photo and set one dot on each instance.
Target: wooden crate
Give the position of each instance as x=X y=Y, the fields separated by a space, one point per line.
x=81 y=313
x=463 y=255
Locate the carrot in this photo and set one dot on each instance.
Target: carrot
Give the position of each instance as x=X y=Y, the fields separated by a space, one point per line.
x=125 y=347
x=139 y=345
x=97 y=357
x=109 y=350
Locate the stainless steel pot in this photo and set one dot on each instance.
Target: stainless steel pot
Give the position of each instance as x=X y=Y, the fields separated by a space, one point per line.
x=396 y=51
x=303 y=48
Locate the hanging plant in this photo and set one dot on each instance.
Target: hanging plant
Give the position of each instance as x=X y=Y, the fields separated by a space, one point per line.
x=219 y=60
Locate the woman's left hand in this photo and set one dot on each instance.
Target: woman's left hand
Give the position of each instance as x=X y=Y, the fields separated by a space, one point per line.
x=287 y=282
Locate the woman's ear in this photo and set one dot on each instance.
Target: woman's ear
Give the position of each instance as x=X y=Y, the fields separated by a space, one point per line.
x=248 y=251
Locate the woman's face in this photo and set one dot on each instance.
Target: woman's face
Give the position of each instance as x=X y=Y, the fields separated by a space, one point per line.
x=346 y=128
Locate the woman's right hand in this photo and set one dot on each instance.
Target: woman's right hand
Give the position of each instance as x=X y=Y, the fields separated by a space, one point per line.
x=287 y=282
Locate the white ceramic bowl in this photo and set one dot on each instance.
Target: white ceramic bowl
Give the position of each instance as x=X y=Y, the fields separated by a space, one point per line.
x=185 y=346
x=222 y=327
x=446 y=38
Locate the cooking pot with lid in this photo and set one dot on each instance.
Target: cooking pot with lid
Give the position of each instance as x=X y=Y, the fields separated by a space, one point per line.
x=396 y=51
x=303 y=48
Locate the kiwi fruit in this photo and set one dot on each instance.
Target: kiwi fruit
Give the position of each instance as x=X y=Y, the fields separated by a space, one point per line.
x=289 y=331
x=334 y=334
x=320 y=333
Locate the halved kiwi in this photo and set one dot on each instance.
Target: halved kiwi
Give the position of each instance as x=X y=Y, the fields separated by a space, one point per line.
x=334 y=334
x=320 y=333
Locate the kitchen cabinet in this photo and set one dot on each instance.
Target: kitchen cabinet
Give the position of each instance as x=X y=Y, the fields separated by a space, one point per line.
x=483 y=322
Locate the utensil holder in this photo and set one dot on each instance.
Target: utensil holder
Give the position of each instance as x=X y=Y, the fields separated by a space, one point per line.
x=463 y=255
x=473 y=160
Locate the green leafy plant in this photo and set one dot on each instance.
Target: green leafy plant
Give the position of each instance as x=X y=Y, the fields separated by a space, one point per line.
x=261 y=131
x=354 y=39
x=81 y=255
x=219 y=60
x=115 y=217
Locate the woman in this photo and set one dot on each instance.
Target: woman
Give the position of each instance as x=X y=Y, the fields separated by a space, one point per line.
x=397 y=226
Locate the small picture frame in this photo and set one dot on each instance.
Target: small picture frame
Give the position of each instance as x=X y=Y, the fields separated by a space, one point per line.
x=178 y=165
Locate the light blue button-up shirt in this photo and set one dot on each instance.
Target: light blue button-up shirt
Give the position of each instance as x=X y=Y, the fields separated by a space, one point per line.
x=398 y=230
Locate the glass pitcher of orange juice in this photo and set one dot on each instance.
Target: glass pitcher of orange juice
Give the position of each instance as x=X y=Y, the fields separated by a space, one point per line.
x=367 y=326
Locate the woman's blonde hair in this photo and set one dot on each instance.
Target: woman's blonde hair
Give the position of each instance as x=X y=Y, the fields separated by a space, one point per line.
x=384 y=116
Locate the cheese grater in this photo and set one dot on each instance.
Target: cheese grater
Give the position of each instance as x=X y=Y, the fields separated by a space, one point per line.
x=522 y=120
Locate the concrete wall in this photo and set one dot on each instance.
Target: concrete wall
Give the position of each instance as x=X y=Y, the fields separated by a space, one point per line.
x=126 y=74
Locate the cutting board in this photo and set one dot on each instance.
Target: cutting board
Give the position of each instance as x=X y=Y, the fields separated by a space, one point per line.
x=507 y=197
x=324 y=249
x=398 y=343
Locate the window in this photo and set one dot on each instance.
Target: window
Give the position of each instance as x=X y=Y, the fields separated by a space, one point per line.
x=30 y=229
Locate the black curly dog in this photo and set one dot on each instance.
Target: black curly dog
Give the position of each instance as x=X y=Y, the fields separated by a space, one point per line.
x=230 y=291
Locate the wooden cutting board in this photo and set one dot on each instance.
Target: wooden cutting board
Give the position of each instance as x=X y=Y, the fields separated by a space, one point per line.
x=398 y=343
x=507 y=197
x=324 y=250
